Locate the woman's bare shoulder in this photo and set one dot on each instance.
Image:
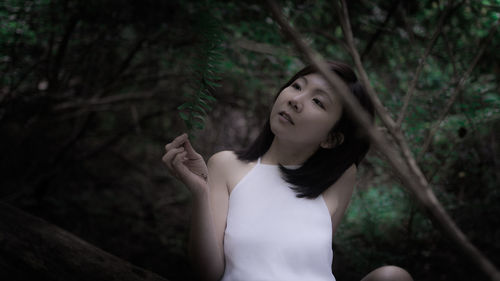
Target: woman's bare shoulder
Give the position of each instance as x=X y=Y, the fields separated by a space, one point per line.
x=228 y=166
x=344 y=185
x=338 y=196
x=223 y=158
x=340 y=192
x=226 y=160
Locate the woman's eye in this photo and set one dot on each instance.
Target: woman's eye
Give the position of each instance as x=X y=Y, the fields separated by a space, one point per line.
x=296 y=86
x=318 y=102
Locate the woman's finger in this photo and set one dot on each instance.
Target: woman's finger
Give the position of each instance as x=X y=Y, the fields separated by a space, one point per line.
x=170 y=155
x=177 y=164
x=178 y=141
x=189 y=147
x=179 y=158
x=191 y=153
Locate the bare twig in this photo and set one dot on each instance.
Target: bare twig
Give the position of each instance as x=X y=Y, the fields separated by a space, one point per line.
x=457 y=90
x=450 y=53
x=120 y=135
x=412 y=178
x=379 y=107
x=11 y=92
x=381 y=111
x=333 y=38
x=421 y=63
x=435 y=209
x=350 y=103
x=407 y=26
x=103 y=101
x=61 y=52
x=259 y=47
x=392 y=9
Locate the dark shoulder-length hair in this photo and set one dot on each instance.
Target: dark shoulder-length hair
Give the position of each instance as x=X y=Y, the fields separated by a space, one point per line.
x=325 y=166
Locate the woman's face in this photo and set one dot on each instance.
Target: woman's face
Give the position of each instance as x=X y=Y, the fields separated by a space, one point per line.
x=305 y=112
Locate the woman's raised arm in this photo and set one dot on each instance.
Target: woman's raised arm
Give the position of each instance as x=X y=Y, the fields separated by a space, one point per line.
x=209 y=204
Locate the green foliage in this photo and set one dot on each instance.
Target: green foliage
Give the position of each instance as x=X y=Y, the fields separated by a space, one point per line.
x=376 y=212
x=206 y=69
x=67 y=69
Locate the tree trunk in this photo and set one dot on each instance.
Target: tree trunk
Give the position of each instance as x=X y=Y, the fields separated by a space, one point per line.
x=33 y=249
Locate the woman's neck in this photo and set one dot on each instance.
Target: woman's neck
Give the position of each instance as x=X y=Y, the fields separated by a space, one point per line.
x=286 y=154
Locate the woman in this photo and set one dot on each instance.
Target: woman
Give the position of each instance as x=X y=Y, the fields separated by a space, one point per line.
x=270 y=212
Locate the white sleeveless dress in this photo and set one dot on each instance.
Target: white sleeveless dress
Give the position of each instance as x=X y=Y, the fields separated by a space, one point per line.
x=273 y=235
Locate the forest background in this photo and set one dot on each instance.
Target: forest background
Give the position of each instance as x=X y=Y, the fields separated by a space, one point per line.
x=90 y=90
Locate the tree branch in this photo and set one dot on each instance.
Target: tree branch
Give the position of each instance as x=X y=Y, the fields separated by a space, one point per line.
x=381 y=111
x=258 y=47
x=379 y=107
x=421 y=63
x=117 y=137
x=412 y=178
x=457 y=90
x=103 y=101
x=61 y=52
x=421 y=188
x=333 y=38
x=380 y=29
x=450 y=53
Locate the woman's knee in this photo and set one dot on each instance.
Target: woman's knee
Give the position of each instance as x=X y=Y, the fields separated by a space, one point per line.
x=388 y=273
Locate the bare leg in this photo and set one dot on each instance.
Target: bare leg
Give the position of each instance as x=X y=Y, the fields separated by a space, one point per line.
x=388 y=273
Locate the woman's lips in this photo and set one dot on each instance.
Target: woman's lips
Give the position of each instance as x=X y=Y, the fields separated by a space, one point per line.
x=287 y=117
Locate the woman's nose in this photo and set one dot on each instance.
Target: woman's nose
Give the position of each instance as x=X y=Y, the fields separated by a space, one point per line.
x=295 y=104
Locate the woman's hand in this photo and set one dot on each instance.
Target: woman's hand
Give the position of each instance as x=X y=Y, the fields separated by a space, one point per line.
x=186 y=165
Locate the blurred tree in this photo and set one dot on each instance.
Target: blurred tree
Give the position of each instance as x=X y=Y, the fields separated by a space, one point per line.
x=94 y=86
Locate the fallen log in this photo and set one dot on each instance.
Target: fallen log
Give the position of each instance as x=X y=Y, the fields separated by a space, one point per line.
x=33 y=249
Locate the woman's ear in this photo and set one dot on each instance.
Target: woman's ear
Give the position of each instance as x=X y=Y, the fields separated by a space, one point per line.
x=332 y=141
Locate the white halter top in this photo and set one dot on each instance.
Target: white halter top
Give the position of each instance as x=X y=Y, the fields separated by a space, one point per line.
x=273 y=235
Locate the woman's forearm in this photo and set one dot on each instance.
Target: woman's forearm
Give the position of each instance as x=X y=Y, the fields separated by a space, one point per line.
x=205 y=251
x=206 y=231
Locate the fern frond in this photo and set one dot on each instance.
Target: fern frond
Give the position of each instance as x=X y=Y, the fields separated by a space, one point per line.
x=206 y=70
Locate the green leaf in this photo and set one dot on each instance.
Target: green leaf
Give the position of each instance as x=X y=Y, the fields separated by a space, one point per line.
x=184 y=116
x=213 y=84
x=183 y=106
x=204 y=104
x=205 y=68
x=200 y=109
x=198 y=125
x=206 y=96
